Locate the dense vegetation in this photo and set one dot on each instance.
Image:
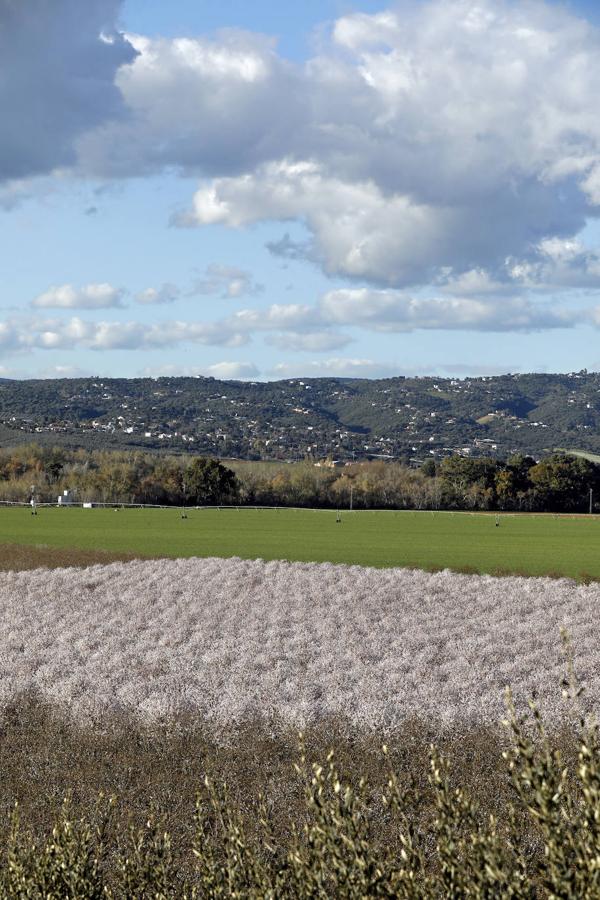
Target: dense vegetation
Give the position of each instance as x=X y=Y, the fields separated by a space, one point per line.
x=288 y=644
x=515 y=817
x=557 y=483
x=343 y=418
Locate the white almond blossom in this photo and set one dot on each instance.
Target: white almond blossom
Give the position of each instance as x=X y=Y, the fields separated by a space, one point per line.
x=232 y=640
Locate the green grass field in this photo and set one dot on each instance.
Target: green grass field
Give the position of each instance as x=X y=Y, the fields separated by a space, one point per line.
x=526 y=544
x=592 y=457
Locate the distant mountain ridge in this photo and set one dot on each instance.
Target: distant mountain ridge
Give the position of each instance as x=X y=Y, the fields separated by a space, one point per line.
x=341 y=418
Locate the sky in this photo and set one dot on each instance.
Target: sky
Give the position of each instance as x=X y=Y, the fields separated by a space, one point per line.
x=265 y=190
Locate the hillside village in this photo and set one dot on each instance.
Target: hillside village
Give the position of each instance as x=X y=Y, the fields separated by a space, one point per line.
x=337 y=419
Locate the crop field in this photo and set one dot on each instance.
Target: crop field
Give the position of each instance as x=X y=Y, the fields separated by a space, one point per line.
x=521 y=544
x=140 y=678
x=236 y=640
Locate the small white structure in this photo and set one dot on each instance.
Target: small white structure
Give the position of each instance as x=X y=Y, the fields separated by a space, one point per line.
x=88 y=505
x=65 y=499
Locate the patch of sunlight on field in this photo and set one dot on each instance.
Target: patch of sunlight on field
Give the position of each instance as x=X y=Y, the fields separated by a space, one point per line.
x=526 y=544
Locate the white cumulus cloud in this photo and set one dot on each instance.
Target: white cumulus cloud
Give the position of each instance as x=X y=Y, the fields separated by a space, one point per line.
x=203 y=105
x=389 y=310
x=76 y=333
x=436 y=137
x=90 y=296
x=444 y=143
x=440 y=135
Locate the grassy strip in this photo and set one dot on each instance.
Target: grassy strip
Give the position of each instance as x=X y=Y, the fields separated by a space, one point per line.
x=273 y=819
x=23 y=557
x=526 y=544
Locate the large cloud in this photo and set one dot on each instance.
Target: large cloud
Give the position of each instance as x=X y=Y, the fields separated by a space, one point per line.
x=58 y=62
x=206 y=106
x=448 y=135
x=449 y=141
x=359 y=231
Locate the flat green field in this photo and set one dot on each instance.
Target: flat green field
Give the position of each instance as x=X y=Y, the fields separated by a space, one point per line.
x=527 y=544
x=592 y=457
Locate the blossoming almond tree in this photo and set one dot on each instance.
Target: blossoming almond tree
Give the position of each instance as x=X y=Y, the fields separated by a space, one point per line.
x=231 y=639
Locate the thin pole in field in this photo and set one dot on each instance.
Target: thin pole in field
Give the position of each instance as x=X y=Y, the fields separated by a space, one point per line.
x=183 y=497
x=591 y=500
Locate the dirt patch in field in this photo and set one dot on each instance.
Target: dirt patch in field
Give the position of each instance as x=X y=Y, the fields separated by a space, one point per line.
x=20 y=557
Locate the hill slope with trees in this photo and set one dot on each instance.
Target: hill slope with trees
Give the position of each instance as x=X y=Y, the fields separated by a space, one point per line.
x=318 y=417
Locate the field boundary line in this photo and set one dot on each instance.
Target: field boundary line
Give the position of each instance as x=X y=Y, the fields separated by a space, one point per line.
x=223 y=507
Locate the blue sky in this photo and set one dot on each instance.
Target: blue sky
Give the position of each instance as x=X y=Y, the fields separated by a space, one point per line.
x=250 y=190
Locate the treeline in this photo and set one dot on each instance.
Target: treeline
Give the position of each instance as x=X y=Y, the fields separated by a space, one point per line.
x=557 y=483
x=114 y=477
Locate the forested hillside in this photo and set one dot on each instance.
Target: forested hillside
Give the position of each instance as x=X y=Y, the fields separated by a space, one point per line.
x=319 y=417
